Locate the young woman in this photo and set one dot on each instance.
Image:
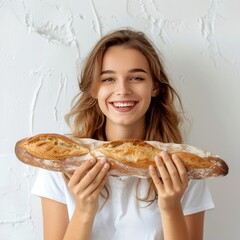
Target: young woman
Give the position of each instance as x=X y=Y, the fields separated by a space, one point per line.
x=124 y=94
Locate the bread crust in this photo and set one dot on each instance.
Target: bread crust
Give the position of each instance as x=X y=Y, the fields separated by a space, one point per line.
x=53 y=146
x=132 y=152
x=129 y=157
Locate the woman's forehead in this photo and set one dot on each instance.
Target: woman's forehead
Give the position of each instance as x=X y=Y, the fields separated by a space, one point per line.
x=119 y=57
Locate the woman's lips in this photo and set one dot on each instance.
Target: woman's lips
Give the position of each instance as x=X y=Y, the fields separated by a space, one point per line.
x=123 y=106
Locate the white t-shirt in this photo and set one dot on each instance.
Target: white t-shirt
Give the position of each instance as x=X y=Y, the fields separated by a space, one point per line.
x=123 y=216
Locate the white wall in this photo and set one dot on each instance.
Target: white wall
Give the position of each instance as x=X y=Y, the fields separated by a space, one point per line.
x=42 y=44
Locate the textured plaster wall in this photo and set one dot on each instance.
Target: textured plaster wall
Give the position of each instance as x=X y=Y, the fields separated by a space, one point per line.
x=42 y=45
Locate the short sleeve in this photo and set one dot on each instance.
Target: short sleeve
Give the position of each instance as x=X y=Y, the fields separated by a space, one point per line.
x=197 y=197
x=50 y=184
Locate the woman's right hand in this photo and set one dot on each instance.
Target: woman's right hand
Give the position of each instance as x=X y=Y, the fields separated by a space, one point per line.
x=86 y=184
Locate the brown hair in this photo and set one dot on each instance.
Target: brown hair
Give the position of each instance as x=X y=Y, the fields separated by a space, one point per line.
x=162 y=119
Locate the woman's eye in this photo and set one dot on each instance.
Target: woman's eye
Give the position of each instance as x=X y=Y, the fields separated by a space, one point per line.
x=107 y=80
x=137 y=78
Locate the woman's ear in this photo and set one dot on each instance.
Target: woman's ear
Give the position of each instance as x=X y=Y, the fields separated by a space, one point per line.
x=155 y=91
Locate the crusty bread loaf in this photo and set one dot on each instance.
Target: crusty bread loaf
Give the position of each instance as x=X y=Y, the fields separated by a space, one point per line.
x=53 y=147
x=126 y=157
x=136 y=153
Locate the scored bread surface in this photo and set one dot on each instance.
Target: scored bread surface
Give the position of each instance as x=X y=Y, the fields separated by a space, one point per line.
x=138 y=153
x=191 y=160
x=54 y=146
x=135 y=153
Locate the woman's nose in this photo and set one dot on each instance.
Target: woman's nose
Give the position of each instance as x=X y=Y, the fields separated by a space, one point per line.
x=123 y=88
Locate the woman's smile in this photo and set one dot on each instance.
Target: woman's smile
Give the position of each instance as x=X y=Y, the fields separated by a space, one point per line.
x=123 y=106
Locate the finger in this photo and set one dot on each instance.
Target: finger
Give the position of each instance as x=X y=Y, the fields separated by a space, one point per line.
x=96 y=182
x=95 y=175
x=155 y=177
x=81 y=171
x=161 y=161
x=95 y=190
x=101 y=175
x=181 y=169
x=171 y=168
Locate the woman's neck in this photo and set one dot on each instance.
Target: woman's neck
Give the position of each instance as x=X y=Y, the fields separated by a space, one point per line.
x=124 y=132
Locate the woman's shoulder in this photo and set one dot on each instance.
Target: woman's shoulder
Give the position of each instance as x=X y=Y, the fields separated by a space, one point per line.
x=46 y=175
x=197 y=197
x=50 y=184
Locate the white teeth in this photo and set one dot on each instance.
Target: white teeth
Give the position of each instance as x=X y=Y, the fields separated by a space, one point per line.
x=125 y=104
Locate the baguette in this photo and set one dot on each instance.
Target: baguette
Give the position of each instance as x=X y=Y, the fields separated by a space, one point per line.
x=127 y=157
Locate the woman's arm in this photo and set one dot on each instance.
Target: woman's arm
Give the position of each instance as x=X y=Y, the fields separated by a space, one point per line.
x=55 y=219
x=176 y=226
x=57 y=225
x=85 y=185
x=171 y=187
x=195 y=225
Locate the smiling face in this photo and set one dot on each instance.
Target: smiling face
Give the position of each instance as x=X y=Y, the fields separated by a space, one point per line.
x=125 y=88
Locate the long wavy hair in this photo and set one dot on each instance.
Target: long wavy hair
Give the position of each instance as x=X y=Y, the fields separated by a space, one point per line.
x=162 y=118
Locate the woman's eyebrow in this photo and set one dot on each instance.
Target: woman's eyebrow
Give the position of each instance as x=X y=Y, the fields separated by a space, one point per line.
x=130 y=71
x=137 y=70
x=107 y=71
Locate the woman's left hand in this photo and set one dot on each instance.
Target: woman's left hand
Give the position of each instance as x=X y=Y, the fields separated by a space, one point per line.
x=173 y=180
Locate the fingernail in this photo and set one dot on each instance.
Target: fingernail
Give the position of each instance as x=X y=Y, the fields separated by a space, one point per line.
x=106 y=165
x=158 y=158
x=93 y=160
x=151 y=167
x=102 y=161
x=175 y=155
x=163 y=152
